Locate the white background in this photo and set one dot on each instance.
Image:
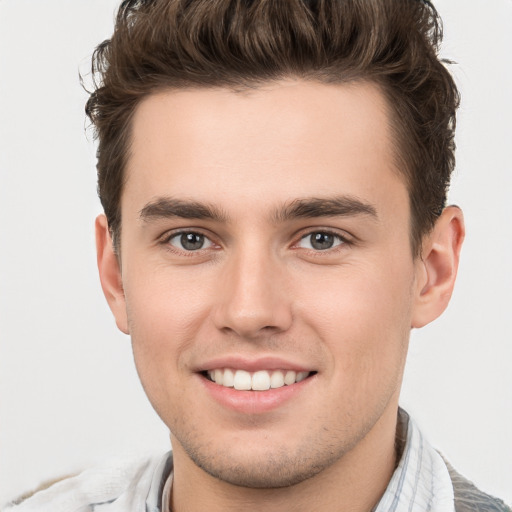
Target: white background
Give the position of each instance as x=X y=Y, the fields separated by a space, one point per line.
x=69 y=395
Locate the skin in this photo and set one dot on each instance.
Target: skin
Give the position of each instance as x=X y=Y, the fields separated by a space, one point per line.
x=258 y=289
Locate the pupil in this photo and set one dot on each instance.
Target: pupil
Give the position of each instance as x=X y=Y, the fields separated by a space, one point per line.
x=322 y=241
x=192 y=241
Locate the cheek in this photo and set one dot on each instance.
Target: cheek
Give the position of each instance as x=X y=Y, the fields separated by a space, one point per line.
x=165 y=314
x=363 y=316
x=166 y=306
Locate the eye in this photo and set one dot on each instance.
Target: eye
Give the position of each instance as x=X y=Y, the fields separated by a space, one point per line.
x=189 y=241
x=320 y=241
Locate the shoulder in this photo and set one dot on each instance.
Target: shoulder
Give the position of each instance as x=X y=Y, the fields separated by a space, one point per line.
x=468 y=498
x=122 y=484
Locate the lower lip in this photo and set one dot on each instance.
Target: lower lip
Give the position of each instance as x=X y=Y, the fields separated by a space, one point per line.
x=254 y=402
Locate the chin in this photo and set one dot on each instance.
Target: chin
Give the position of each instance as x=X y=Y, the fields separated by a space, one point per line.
x=267 y=468
x=273 y=473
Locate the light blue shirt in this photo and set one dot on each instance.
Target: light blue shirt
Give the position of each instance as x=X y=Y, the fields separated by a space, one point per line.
x=421 y=482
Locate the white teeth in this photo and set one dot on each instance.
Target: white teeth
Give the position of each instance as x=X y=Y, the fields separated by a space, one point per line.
x=277 y=380
x=229 y=378
x=300 y=376
x=218 y=377
x=242 y=381
x=289 y=378
x=261 y=380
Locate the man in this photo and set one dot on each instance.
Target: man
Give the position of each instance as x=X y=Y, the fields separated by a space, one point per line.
x=274 y=177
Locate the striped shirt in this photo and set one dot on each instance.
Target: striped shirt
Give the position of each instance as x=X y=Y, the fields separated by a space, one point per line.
x=421 y=482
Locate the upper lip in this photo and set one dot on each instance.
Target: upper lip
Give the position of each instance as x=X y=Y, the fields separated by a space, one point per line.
x=252 y=364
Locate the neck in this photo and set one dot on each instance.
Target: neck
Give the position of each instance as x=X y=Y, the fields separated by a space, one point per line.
x=353 y=483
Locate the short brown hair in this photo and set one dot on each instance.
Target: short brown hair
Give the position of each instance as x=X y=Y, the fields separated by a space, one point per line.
x=160 y=44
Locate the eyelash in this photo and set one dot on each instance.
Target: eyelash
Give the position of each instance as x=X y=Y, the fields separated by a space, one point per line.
x=167 y=237
x=343 y=240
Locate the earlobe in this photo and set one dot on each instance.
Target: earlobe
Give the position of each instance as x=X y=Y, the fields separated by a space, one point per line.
x=438 y=266
x=110 y=273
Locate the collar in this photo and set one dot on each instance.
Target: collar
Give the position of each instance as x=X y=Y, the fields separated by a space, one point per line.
x=421 y=480
x=159 y=493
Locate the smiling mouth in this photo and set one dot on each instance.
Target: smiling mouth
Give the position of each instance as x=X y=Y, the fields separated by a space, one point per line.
x=261 y=380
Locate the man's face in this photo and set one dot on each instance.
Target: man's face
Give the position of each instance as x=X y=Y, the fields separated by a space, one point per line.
x=265 y=233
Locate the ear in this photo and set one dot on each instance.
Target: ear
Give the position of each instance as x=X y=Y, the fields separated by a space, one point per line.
x=437 y=267
x=110 y=273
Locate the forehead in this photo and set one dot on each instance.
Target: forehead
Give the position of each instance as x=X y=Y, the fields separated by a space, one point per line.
x=277 y=142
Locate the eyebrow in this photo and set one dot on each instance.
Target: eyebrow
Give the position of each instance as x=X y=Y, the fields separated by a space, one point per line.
x=168 y=207
x=344 y=206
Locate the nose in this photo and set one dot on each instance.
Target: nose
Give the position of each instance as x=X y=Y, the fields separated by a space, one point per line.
x=253 y=300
